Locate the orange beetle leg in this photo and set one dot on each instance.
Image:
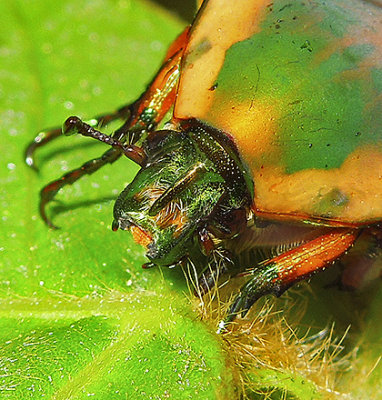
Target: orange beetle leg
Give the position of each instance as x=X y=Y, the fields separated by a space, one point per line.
x=278 y=274
x=149 y=110
x=140 y=117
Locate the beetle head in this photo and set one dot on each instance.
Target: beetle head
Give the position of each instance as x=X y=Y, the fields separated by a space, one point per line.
x=178 y=189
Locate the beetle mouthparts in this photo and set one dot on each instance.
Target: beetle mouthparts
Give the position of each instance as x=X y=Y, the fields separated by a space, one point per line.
x=141 y=236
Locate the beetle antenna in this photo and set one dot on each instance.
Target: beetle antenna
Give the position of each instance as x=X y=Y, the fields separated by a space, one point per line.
x=74 y=125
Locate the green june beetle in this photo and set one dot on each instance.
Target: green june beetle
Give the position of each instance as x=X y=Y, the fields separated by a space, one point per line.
x=275 y=143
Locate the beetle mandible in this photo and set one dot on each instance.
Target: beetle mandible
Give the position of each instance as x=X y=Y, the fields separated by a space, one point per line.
x=275 y=142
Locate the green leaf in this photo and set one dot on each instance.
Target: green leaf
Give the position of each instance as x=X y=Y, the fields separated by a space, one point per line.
x=78 y=316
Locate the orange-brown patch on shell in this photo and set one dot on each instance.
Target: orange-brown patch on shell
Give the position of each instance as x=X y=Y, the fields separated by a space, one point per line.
x=369 y=32
x=221 y=24
x=351 y=193
x=333 y=47
x=252 y=125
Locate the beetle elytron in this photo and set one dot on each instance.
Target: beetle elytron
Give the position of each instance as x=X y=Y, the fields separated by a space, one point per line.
x=275 y=141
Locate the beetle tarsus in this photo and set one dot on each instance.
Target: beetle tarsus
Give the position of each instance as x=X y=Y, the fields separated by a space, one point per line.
x=45 y=217
x=29 y=153
x=262 y=283
x=47 y=136
x=40 y=140
x=280 y=273
x=48 y=193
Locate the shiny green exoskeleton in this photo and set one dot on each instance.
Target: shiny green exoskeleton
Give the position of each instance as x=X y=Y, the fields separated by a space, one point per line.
x=178 y=190
x=275 y=143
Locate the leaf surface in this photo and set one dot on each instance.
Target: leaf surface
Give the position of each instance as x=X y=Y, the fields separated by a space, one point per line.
x=78 y=316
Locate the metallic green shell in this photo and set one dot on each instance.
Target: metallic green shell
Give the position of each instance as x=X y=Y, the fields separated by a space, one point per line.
x=298 y=86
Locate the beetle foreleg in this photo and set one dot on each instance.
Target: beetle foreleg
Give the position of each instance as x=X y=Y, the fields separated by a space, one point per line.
x=41 y=139
x=49 y=191
x=47 y=136
x=278 y=274
x=159 y=97
x=75 y=125
x=140 y=117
